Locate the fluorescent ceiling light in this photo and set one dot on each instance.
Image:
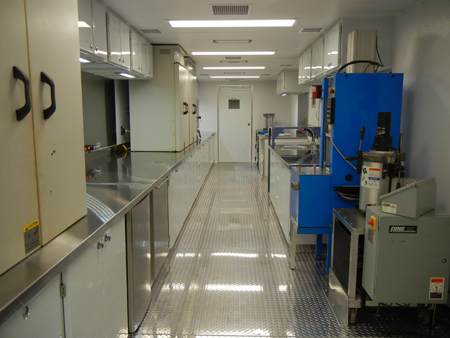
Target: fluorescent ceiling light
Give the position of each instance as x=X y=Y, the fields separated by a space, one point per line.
x=230 y=68
x=127 y=75
x=234 y=77
x=232 y=41
x=82 y=24
x=230 y=23
x=234 y=53
x=83 y=60
x=234 y=254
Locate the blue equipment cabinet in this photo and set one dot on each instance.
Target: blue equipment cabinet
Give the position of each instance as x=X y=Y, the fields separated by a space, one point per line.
x=349 y=101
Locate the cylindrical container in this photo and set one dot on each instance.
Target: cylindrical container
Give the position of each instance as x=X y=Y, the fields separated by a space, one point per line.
x=374 y=181
x=269 y=120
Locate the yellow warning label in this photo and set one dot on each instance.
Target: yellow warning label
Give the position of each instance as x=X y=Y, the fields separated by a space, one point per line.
x=30 y=226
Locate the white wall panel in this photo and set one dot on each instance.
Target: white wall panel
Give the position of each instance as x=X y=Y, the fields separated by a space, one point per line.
x=421 y=49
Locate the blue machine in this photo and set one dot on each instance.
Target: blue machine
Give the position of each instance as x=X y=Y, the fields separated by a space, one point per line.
x=349 y=102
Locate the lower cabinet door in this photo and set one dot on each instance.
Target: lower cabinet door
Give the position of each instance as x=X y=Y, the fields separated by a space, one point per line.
x=42 y=316
x=96 y=292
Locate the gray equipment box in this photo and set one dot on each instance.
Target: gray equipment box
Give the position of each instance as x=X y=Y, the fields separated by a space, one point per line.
x=406 y=260
x=412 y=200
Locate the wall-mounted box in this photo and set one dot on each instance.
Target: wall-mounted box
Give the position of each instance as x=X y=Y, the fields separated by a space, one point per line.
x=287 y=83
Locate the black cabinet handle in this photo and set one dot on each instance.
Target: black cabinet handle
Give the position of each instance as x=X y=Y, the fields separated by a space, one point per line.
x=48 y=112
x=186 y=107
x=21 y=113
x=195 y=109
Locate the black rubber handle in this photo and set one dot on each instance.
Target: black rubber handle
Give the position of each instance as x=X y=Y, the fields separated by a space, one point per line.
x=21 y=113
x=186 y=105
x=48 y=112
x=195 y=109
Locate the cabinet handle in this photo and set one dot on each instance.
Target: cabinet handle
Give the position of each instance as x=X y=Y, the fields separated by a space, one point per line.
x=100 y=245
x=186 y=107
x=48 y=112
x=163 y=183
x=195 y=109
x=107 y=238
x=21 y=113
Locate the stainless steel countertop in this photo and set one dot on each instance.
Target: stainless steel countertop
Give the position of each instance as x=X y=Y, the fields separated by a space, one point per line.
x=122 y=183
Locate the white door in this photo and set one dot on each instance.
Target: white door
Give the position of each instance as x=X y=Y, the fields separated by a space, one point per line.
x=235 y=123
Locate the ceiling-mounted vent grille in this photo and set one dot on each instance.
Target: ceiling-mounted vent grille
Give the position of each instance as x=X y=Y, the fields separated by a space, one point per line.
x=311 y=29
x=265 y=74
x=233 y=57
x=231 y=9
x=243 y=61
x=203 y=75
x=285 y=65
x=165 y=51
x=151 y=31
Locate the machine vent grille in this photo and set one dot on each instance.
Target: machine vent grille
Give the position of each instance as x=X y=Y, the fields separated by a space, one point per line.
x=151 y=31
x=231 y=9
x=165 y=51
x=311 y=29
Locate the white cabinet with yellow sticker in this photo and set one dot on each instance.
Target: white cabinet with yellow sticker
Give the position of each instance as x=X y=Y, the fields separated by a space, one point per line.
x=42 y=184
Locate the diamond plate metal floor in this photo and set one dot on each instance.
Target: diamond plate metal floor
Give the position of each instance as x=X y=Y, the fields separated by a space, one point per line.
x=228 y=275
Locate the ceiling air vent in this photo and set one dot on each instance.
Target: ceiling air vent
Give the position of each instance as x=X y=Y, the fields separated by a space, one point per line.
x=243 y=61
x=151 y=31
x=265 y=74
x=165 y=51
x=311 y=29
x=203 y=75
x=285 y=65
x=233 y=57
x=231 y=9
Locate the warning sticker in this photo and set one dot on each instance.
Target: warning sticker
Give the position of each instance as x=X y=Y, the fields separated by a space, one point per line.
x=390 y=208
x=370 y=177
x=32 y=238
x=436 y=288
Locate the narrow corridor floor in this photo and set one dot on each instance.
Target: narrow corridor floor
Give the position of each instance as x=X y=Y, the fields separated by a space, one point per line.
x=228 y=274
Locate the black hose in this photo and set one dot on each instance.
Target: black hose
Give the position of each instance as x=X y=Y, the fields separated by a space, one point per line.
x=359 y=61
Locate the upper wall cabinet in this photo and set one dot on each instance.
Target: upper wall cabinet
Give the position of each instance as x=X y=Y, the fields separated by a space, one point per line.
x=110 y=47
x=118 y=41
x=92 y=30
x=329 y=52
x=287 y=83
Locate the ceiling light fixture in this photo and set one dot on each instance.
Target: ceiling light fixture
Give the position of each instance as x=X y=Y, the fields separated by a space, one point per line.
x=127 y=75
x=235 y=77
x=82 y=24
x=232 y=41
x=230 y=68
x=233 y=53
x=230 y=23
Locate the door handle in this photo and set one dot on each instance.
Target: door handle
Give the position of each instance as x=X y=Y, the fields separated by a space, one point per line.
x=186 y=107
x=195 y=109
x=48 y=112
x=21 y=113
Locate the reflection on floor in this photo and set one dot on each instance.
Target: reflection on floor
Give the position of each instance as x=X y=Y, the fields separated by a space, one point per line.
x=228 y=275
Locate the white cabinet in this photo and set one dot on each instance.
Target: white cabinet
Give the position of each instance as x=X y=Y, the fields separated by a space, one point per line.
x=332 y=43
x=96 y=288
x=317 y=58
x=185 y=183
x=42 y=316
x=280 y=185
x=118 y=41
x=287 y=83
x=193 y=111
x=149 y=68
x=141 y=61
x=92 y=30
x=43 y=178
x=159 y=109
